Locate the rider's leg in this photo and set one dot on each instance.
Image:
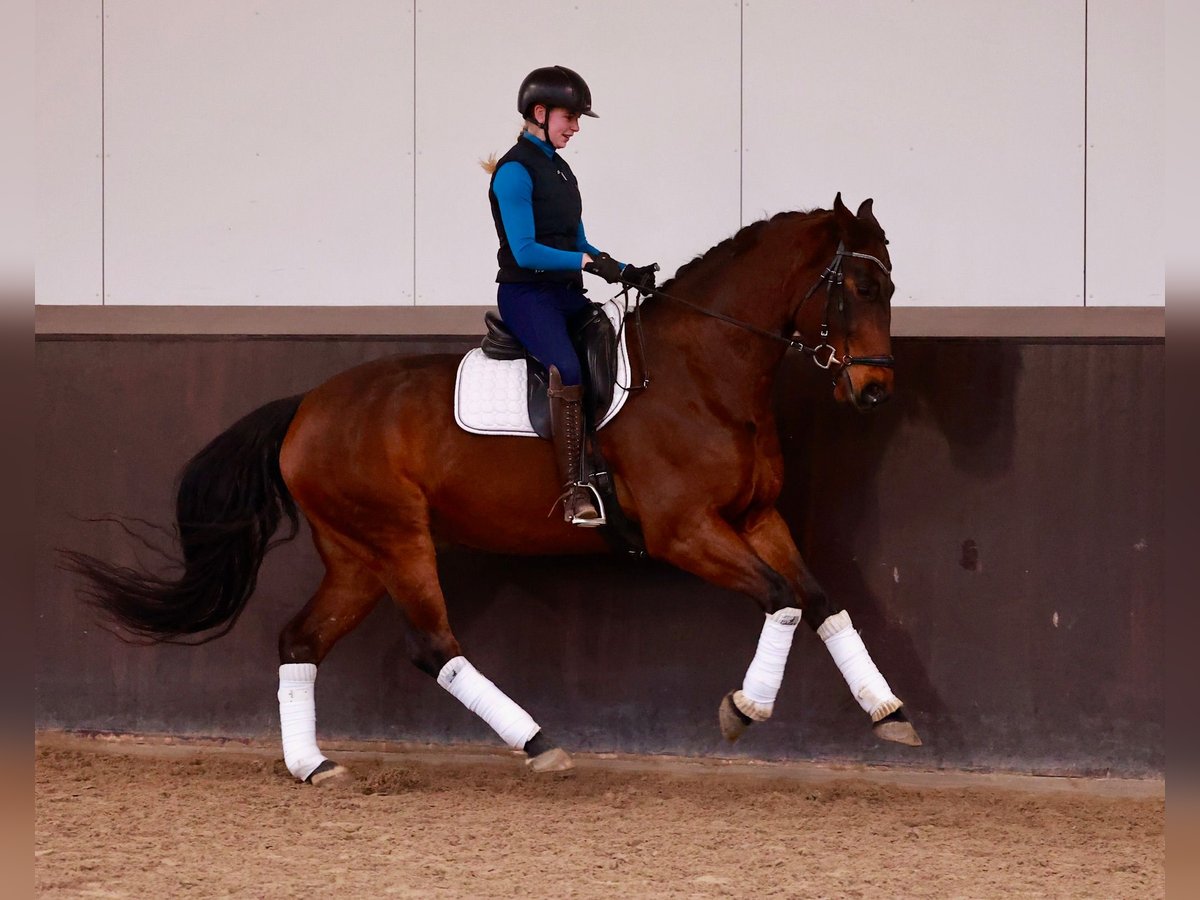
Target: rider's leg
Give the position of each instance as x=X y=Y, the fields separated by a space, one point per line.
x=567 y=427
x=537 y=314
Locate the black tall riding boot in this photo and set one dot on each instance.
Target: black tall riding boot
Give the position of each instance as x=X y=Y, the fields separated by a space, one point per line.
x=566 y=427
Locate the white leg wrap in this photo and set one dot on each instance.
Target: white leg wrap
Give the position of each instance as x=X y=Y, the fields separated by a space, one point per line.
x=756 y=699
x=515 y=726
x=298 y=718
x=864 y=679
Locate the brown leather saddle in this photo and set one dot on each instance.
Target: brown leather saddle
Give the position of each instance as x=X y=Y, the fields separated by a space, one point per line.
x=595 y=341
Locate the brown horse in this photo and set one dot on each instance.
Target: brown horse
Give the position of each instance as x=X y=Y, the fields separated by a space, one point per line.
x=382 y=472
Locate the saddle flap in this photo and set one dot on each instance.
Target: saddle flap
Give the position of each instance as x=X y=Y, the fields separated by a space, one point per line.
x=595 y=340
x=537 y=381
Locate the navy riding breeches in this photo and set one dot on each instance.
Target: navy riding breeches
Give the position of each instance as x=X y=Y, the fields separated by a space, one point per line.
x=537 y=313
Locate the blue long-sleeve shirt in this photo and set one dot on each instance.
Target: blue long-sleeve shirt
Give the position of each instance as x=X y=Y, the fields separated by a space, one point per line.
x=514 y=193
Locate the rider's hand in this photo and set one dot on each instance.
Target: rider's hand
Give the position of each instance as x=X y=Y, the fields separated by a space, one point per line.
x=604 y=266
x=640 y=277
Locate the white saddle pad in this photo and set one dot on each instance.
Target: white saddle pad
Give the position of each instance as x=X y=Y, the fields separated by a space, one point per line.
x=490 y=395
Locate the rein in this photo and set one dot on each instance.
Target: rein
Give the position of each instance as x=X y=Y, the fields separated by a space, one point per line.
x=832 y=277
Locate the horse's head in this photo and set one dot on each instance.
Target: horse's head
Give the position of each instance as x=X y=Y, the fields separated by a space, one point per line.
x=849 y=309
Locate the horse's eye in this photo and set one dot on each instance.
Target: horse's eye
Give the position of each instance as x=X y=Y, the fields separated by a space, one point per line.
x=868 y=289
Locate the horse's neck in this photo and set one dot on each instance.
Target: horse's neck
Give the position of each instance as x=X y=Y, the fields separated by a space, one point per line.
x=707 y=363
x=720 y=359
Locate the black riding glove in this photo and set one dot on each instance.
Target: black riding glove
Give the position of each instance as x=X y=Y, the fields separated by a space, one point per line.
x=640 y=277
x=606 y=267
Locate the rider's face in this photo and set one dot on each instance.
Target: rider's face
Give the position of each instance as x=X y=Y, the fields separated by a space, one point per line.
x=562 y=126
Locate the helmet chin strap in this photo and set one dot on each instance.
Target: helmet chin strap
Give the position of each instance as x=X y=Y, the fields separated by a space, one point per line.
x=545 y=126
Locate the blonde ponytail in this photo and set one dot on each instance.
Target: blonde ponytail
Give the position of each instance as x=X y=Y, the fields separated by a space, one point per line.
x=489 y=164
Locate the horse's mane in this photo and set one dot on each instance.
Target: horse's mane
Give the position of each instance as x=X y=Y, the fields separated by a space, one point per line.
x=745 y=238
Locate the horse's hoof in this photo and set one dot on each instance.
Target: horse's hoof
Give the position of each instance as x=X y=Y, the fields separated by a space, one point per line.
x=733 y=720
x=330 y=774
x=898 y=731
x=555 y=760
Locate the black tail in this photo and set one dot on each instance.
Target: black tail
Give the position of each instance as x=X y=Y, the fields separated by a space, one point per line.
x=231 y=500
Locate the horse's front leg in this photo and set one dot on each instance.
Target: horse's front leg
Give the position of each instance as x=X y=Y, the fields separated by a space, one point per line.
x=769 y=537
x=762 y=562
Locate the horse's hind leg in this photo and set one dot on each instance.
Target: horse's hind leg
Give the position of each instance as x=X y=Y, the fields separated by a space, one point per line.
x=348 y=592
x=412 y=581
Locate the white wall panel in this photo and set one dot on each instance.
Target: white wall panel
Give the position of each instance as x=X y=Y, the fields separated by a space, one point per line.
x=258 y=153
x=658 y=170
x=1126 y=162
x=264 y=153
x=963 y=120
x=69 y=262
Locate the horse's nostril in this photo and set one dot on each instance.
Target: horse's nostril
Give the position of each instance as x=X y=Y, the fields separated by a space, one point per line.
x=874 y=394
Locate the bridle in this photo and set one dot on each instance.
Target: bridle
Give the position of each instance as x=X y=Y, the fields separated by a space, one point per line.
x=832 y=278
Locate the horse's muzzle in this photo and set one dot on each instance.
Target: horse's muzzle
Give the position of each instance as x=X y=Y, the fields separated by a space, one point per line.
x=873 y=395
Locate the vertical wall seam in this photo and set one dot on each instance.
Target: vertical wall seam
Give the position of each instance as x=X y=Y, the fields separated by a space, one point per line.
x=1086 y=149
x=741 y=113
x=103 y=171
x=414 y=155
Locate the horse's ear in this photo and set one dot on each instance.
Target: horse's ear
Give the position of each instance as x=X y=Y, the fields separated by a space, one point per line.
x=841 y=214
x=865 y=213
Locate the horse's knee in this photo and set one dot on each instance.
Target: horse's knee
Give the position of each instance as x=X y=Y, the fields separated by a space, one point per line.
x=430 y=652
x=816 y=604
x=809 y=596
x=780 y=594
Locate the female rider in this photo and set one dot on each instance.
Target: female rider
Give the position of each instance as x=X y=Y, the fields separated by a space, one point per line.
x=543 y=251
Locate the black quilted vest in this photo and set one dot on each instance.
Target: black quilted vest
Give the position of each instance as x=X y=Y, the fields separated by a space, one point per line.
x=557 y=210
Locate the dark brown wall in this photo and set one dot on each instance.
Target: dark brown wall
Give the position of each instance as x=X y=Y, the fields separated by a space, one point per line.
x=996 y=533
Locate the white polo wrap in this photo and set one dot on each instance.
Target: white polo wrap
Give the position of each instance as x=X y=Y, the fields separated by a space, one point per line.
x=298 y=718
x=515 y=726
x=756 y=699
x=864 y=679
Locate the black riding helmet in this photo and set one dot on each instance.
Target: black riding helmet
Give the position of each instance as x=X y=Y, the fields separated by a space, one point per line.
x=554 y=86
